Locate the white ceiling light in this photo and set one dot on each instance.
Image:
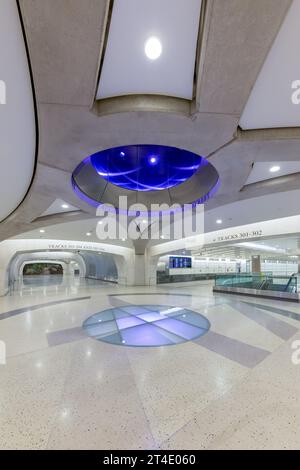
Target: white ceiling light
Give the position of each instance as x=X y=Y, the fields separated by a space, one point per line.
x=218 y=221
x=274 y=169
x=58 y=206
x=146 y=53
x=262 y=171
x=88 y=234
x=259 y=247
x=153 y=48
x=42 y=231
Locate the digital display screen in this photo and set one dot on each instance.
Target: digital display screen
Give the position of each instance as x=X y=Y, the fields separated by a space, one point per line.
x=176 y=262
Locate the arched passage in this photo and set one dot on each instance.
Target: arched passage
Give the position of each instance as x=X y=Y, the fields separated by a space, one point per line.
x=10 y=250
x=67 y=260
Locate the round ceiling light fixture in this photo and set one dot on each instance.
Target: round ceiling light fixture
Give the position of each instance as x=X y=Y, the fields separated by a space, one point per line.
x=153 y=48
x=274 y=168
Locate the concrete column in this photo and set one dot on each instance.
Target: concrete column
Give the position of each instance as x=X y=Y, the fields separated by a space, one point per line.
x=255 y=260
x=136 y=270
x=125 y=267
x=3 y=282
x=144 y=271
x=298 y=264
x=5 y=256
x=139 y=270
x=144 y=265
x=67 y=269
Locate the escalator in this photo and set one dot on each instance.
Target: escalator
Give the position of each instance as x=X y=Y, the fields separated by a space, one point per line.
x=292 y=284
x=289 y=286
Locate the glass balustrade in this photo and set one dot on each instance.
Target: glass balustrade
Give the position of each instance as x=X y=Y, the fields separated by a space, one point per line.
x=259 y=281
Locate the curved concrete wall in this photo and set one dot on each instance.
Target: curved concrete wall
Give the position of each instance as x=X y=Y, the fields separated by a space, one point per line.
x=100 y=266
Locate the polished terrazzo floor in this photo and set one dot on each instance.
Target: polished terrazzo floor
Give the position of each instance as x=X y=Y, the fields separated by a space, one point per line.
x=234 y=387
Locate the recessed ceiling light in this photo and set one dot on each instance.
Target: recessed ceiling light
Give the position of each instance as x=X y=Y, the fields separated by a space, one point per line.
x=153 y=48
x=218 y=221
x=42 y=231
x=274 y=168
x=88 y=234
x=162 y=236
x=153 y=159
x=123 y=240
x=65 y=206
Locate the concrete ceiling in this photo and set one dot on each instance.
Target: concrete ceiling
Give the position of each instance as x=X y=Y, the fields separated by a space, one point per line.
x=65 y=41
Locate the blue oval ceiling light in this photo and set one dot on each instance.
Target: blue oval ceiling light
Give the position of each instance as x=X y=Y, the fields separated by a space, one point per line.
x=146 y=167
x=178 y=175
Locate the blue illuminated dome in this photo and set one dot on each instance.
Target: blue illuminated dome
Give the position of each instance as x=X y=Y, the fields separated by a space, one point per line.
x=146 y=174
x=146 y=167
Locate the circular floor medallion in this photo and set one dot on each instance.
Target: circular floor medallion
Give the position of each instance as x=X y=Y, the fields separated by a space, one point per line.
x=146 y=325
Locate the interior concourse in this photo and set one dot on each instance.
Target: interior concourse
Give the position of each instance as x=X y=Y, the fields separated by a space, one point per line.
x=149 y=226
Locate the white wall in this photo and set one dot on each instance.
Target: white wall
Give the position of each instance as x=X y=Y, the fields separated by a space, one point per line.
x=17 y=120
x=204 y=265
x=100 y=266
x=280 y=268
